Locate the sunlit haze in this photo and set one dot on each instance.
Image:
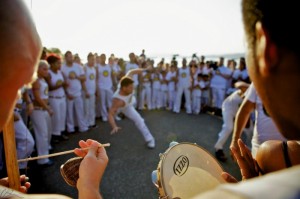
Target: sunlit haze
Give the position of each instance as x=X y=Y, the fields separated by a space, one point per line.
x=161 y=27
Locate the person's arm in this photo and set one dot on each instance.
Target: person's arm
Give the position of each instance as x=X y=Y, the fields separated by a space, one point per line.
x=29 y=105
x=37 y=97
x=91 y=169
x=241 y=119
x=136 y=71
x=116 y=104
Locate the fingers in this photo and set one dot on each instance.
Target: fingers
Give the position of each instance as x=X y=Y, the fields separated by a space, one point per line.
x=93 y=151
x=228 y=178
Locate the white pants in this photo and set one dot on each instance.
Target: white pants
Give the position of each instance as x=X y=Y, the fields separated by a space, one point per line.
x=77 y=105
x=133 y=115
x=41 y=123
x=24 y=142
x=218 y=95
x=59 y=107
x=196 y=104
x=163 y=98
x=105 y=100
x=187 y=94
x=156 y=102
x=227 y=127
x=145 y=93
x=171 y=97
x=90 y=110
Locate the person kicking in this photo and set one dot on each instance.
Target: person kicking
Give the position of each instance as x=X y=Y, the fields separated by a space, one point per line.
x=123 y=101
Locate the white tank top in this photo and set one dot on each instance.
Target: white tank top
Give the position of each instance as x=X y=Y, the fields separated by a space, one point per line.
x=184 y=77
x=56 y=79
x=129 y=99
x=90 y=83
x=104 y=80
x=43 y=89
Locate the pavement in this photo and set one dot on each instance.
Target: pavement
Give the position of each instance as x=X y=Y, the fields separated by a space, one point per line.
x=128 y=174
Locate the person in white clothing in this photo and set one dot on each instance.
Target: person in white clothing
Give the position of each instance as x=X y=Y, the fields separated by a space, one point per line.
x=104 y=86
x=74 y=76
x=57 y=98
x=130 y=66
x=172 y=79
x=264 y=127
x=196 y=94
x=218 y=85
x=230 y=107
x=163 y=88
x=145 y=94
x=90 y=95
x=123 y=101
x=40 y=117
x=156 y=103
x=183 y=85
x=24 y=140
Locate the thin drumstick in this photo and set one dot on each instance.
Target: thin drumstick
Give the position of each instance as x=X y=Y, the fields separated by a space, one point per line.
x=58 y=154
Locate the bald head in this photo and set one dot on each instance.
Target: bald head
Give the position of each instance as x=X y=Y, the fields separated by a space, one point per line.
x=19 y=52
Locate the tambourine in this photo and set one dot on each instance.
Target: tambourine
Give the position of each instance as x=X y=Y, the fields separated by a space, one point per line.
x=186 y=170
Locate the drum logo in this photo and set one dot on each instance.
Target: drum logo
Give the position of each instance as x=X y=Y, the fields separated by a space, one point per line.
x=181 y=165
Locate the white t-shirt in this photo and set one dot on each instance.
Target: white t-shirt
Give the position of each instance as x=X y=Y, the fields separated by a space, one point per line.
x=69 y=73
x=184 y=79
x=155 y=81
x=104 y=77
x=232 y=102
x=218 y=81
x=264 y=128
x=90 y=82
x=130 y=66
x=56 y=79
x=164 y=85
x=171 y=84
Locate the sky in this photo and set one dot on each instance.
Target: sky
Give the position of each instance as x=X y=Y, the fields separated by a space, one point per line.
x=161 y=27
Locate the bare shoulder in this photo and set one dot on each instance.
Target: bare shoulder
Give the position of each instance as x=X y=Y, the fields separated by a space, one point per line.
x=117 y=103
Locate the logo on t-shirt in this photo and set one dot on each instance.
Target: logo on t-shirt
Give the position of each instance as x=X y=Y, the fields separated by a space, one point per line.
x=59 y=82
x=105 y=73
x=92 y=76
x=72 y=75
x=183 y=75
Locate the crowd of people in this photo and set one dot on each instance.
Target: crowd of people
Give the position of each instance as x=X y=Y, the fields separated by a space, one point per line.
x=273 y=59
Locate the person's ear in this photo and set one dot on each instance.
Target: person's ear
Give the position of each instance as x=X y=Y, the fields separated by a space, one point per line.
x=266 y=51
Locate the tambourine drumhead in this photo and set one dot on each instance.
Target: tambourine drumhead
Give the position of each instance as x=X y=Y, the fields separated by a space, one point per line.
x=186 y=170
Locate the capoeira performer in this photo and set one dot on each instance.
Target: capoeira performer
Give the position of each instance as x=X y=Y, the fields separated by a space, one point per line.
x=40 y=116
x=24 y=140
x=104 y=86
x=57 y=98
x=130 y=66
x=90 y=92
x=230 y=107
x=74 y=75
x=146 y=89
x=172 y=79
x=123 y=100
x=156 y=102
x=183 y=85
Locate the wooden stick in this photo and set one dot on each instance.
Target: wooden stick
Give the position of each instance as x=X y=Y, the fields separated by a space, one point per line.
x=58 y=154
x=11 y=154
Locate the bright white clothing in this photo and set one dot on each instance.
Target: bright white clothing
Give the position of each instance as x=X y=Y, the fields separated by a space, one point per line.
x=59 y=107
x=229 y=109
x=90 y=110
x=70 y=73
x=76 y=105
x=90 y=82
x=156 y=99
x=43 y=90
x=196 y=96
x=129 y=111
x=146 y=91
x=264 y=127
x=184 y=82
x=104 y=77
x=218 y=81
x=171 y=82
x=56 y=79
x=184 y=79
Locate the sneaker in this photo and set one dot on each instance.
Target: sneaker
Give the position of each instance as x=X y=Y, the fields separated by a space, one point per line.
x=151 y=144
x=118 y=118
x=104 y=119
x=220 y=155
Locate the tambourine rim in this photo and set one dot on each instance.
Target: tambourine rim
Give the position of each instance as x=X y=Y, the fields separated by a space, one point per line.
x=160 y=181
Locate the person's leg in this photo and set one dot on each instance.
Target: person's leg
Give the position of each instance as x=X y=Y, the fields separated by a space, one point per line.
x=142 y=98
x=133 y=115
x=92 y=112
x=54 y=104
x=177 y=104
x=79 y=114
x=187 y=94
x=103 y=105
x=70 y=115
x=63 y=114
x=148 y=97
